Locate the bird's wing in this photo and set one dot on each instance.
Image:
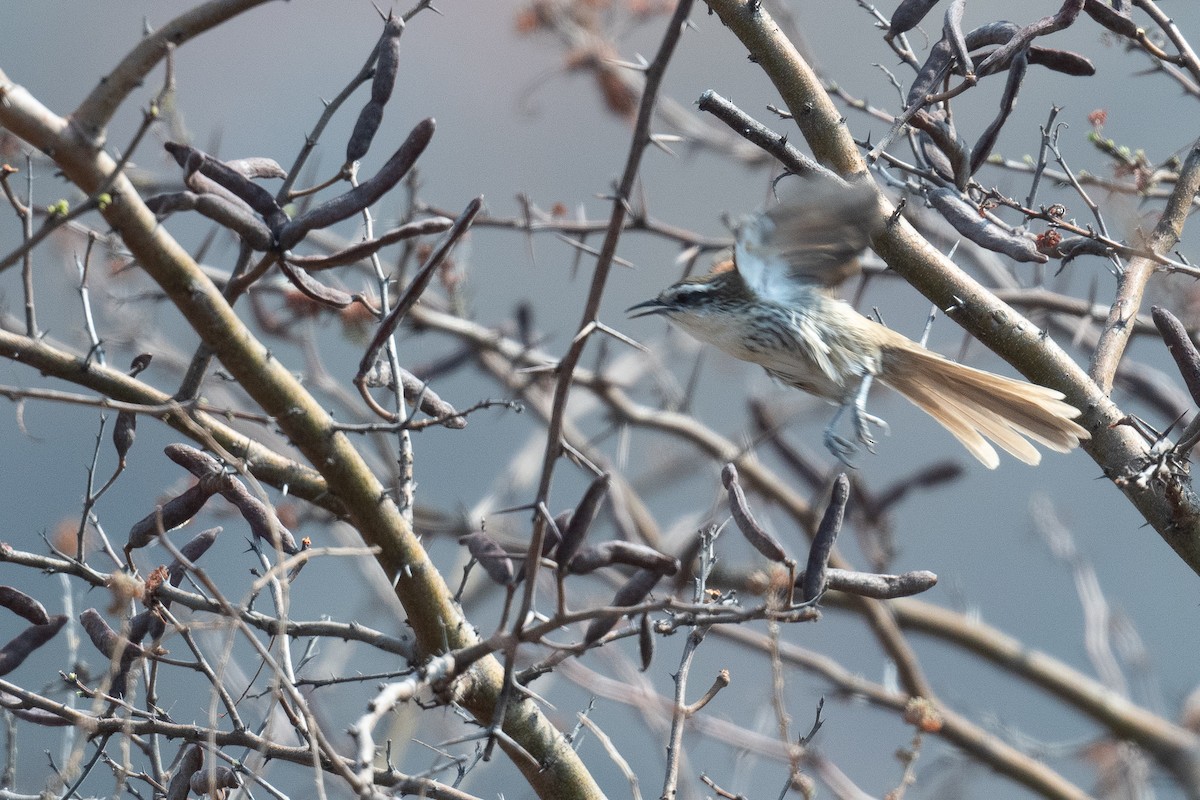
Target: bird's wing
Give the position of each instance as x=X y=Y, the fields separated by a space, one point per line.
x=812 y=239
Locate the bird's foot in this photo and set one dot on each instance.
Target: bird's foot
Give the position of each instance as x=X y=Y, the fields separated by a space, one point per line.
x=841 y=447
x=862 y=427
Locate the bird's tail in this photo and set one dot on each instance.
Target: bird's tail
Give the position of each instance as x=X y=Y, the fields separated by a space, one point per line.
x=976 y=406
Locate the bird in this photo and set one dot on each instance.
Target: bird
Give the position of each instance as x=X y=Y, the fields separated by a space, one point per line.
x=774 y=304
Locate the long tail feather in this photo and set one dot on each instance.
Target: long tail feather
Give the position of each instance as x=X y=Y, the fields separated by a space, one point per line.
x=977 y=406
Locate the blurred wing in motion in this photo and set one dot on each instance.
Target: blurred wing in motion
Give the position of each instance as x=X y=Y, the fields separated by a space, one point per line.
x=813 y=239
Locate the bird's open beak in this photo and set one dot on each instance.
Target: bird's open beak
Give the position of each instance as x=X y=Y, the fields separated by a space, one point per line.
x=647 y=308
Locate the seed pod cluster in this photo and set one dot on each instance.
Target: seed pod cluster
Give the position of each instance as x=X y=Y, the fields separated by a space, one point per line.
x=231 y=179
x=632 y=592
x=762 y=541
x=263 y=522
x=1012 y=51
x=225 y=192
x=491 y=556
x=212 y=480
x=387 y=64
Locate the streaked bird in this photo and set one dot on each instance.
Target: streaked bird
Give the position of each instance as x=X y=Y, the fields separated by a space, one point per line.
x=774 y=305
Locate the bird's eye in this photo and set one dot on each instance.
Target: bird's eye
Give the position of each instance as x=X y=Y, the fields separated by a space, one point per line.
x=688 y=295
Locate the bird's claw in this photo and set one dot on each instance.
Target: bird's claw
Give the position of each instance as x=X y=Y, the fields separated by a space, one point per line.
x=862 y=427
x=841 y=447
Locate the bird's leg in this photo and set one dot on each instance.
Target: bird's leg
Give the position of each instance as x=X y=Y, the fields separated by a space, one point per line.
x=842 y=447
x=862 y=420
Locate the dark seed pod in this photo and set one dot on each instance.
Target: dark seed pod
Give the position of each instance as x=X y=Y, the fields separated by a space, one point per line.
x=194 y=461
x=581 y=521
x=1076 y=246
x=762 y=541
x=1008 y=101
x=965 y=218
x=1064 y=61
x=171 y=514
x=210 y=782
x=615 y=551
x=189 y=764
x=827 y=532
x=1179 y=344
x=908 y=15
x=645 y=642
x=264 y=524
x=1116 y=21
x=106 y=640
x=139 y=364
x=235 y=216
x=363 y=195
x=112 y=645
x=313 y=289
x=364 y=131
x=23 y=605
x=418 y=284
x=123 y=433
x=28 y=640
x=631 y=593
x=387 y=63
x=143 y=623
x=491 y=556
x=192 y=550
x=930 y=73
x=953 y=34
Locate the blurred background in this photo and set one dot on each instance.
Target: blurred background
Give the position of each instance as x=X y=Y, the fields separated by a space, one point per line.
x=517 y=116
